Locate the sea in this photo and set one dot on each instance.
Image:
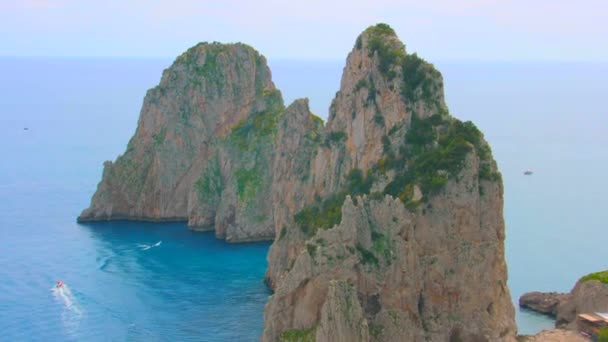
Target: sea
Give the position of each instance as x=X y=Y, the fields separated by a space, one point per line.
x=61 y=118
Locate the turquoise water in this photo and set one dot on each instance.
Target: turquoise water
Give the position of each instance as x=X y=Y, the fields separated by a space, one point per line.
x=80 y=112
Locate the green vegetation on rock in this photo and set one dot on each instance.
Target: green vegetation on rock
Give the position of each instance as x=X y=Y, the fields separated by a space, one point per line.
x=209 y=69
x=328 y=212
x=334 y=138
x=601 y=276
x=379 y=119
x=362 y=83
x=299 y=335
x=389 y=53
x=375 y=330
x=248 y=133
x=248 y=183
x=317 y=120
x=383 y=246
x=435 y=150
x=325 y=215
x=419 y=77
x=159 y=138
x=211 y=184
x=312 y=249
x=367 y=257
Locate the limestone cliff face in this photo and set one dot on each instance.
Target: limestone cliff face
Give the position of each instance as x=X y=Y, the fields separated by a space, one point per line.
x=433 y=274
x=381 y=88
x=387 y=221
x=406 y=217
x=200 y=153
x=371 y=98
x=299 y=133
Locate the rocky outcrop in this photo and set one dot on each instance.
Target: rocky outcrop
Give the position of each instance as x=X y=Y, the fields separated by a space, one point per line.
x=407 y=215
x=587 y=296
x=543 y=302
x=555 y=335
x=387 y=221
x=342 y=318
x=204 y=140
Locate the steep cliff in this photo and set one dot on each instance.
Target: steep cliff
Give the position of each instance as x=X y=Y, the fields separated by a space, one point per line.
x=406 y=218
x=387 y=221
x=204 y=140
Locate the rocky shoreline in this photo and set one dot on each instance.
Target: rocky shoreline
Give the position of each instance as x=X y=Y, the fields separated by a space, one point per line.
x=589 y=296
x=543 y=302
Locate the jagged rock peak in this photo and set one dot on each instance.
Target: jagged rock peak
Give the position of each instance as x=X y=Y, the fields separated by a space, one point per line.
x=382 y=87
x=232 y=73
x=379 y=60
x=406 y=200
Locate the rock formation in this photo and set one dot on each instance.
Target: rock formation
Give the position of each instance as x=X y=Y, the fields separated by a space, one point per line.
x=387 y=221
x=543 y=302
x=589 y=295
x=407 y=215
x=204 y=140
x=554 y=335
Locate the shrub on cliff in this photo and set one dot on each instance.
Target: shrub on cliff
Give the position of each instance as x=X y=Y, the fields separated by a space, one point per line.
x=601 y=276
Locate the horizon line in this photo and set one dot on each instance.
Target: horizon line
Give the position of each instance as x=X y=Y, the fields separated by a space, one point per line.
x=310 y=59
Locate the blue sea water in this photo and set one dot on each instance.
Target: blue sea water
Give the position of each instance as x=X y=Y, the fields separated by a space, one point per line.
x=141 y=281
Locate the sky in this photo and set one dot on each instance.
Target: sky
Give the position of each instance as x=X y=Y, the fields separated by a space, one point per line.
x=441 y=30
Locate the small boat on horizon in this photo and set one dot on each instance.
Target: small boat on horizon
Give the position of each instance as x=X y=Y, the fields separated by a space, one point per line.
x=528 y=172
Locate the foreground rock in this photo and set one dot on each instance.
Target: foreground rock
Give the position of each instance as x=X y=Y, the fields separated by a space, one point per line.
x=589 y=295
x=555 y=335
x=387 y=221
x=543 y=302
x=586 y=297
x=404 y=241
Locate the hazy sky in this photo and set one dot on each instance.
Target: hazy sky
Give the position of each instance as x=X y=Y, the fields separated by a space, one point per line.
x=320 y=29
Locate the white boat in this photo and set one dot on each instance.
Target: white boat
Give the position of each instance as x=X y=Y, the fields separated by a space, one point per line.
x=528 y=172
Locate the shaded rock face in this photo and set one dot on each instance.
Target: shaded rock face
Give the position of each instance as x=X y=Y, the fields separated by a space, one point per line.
x=543 y=302
x=400 y=216
x=387 y=221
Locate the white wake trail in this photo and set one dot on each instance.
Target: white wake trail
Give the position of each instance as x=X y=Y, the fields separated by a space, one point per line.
x=64 y=294
x=71 y=314
x=145 y=247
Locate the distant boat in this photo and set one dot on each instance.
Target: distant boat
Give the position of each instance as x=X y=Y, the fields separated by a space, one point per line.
x=528 y=172
x=25 y=128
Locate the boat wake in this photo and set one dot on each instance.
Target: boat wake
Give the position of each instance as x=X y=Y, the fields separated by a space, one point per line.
x=72 y=313
x=64 y=295
x=145 y=247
